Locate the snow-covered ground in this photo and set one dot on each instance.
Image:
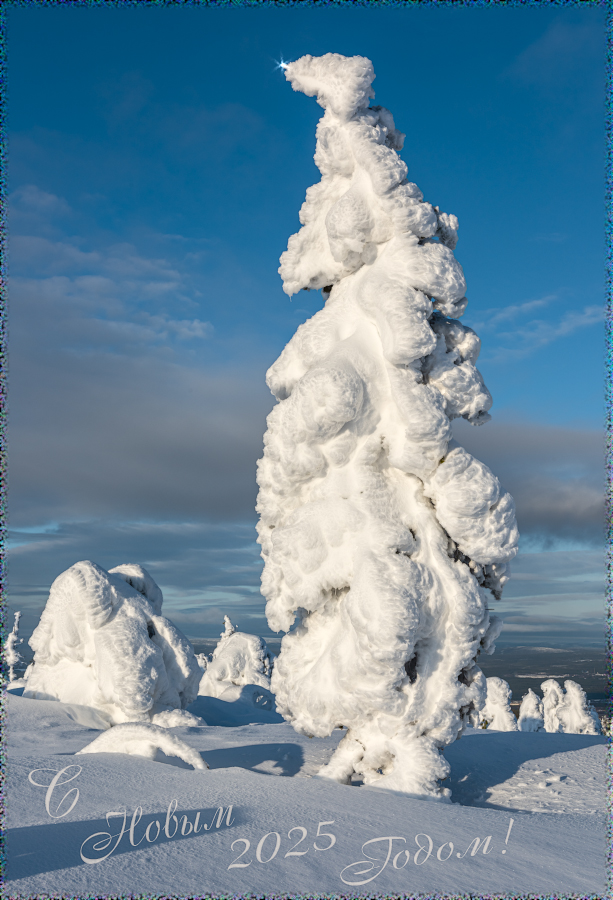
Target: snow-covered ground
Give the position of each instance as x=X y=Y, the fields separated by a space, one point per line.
x=72 y=838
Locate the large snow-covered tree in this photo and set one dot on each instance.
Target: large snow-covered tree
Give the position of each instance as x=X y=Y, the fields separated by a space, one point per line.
x=383 y=539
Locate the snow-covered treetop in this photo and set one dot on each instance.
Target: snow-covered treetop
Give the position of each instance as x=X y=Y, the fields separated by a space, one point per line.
x=229 y=628
x=364 y=198
x=341 y=84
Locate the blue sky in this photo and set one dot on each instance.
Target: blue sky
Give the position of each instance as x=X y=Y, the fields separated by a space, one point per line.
x=157 y=163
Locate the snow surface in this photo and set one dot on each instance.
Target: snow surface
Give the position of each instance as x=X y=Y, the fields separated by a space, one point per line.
x=548 y=789
x=102 y=642
x=384 y=541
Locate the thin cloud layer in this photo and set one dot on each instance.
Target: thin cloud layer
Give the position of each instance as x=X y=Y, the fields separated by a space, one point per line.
x=513 y=332
x=565 y=53
x=556 y=476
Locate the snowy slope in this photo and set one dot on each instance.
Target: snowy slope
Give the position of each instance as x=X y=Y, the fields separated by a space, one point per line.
x=496 y=777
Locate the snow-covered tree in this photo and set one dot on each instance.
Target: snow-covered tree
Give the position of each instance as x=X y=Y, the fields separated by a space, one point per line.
x=383 y=539
x=575 y=713
x=497 y=714
x=12 y=656
x=238 y=659
x=103 y=642
x=568 y=710
x=202 y=660
x=531 y=713
x=552 y=697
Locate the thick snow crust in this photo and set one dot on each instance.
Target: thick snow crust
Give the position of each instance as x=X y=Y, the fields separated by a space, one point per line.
x=497 y=713
x=102 y=642
x=238 y=659
x=383 y=540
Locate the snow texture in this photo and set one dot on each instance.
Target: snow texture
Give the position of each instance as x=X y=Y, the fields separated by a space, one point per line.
x=238 y=659
x=383 y=540
x=102 y=642
x=568 y=710
x=177 y=718
x=552 y=785
x=497 y=713
x=142 y=739
x=531 y=713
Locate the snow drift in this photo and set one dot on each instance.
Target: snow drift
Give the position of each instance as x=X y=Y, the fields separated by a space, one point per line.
x=383 y=540
x=238 y=659
x=144 y=739
x=102 y=642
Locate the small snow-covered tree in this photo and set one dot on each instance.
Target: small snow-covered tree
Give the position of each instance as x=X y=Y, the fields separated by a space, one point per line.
x=552 y=697
x=531 y=713
x=497 y=714
x=103 y=642
x=238 y=659
x=568 y=710
x=12 y=656
x=575 y=713
x=202 y=660
x=383 y=539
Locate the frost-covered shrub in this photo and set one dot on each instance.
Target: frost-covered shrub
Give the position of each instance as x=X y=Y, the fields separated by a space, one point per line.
x=102 y=642
x=497 y=714
x=12 y=656
x=238 y=659
x=531 y=713
x=383 y=540
x=568 y=710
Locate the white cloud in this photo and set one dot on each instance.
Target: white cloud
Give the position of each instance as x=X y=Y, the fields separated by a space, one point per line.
x=551 y=237
x=565 y=50
x=492 y=317
x=533 y=333
x=31 y=198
